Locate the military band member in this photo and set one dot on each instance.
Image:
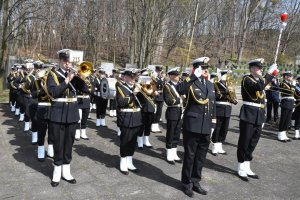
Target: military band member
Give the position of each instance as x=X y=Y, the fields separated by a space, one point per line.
x=158 y=98
x=16 y=83
x=173 y=115
x=101 y=103
x=223 y=113
x=198 y=122
x=26 y=99
x=252 y=115
x=148 y=113
x=63 y=117
x=112 y=102
x=39 y=92
x=184 y=75
x=213 y=77
x=19 y=82
x=84 y=102
x=129 y=119
x=296 y=114
x=273 y=100
x=287 y=105
x=12 y=89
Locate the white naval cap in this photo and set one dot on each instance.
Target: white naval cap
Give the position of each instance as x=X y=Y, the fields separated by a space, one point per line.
x=290 y=73
x=202 y=61
x=28 y=60
x=213 y=75
x=259 y=62
x=64 y=54
x=174 y=71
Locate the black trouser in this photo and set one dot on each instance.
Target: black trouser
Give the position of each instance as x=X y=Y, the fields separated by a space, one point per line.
x=42 y=130
x=249 y=136
x=84 y=117
x=33 y=115
x=27 y=103
x=13 y=98
x=272 y=105
x=147 y=121
x=159 y=106
x=63 y=135
x=128 y=139
x=296 y=117
x=195 y=150
x=220 y=132
x=18 y=103
x=285 y=119
x=21 y=103
x=112 y=104
x=101 y=105
x=173 y=133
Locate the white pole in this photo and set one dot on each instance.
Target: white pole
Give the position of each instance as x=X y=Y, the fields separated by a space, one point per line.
x=278 y=44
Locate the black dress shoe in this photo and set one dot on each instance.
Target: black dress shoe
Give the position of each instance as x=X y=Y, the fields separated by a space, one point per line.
x=54 y=184
x=41 y=159
x=294 y=138
x=200 y=190
x=188 y=192
x=172 y=162
x=149 y=147
x=85 y=138
x=49 y=156
x=178 y=161
x=33 y=143
x=214 y=154
x=72 y=181
x=253 y=176
x=284 y=141
x=77 y=139
x=134 y=170
x=140 y=148
x=243 y=178
x=124 y=172
x=225 y=153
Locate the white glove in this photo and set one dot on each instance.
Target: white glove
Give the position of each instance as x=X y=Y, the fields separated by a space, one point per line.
x=198 y=72
x=212 y=130
x=273 y=69
x=283 y=25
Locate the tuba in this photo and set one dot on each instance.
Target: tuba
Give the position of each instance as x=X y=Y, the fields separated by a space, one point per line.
x=231 y=91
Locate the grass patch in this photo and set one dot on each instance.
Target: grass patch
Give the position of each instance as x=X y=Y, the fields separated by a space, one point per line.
x=4 y=96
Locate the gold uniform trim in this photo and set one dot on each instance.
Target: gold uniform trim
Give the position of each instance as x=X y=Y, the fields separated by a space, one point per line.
x=257 y=93
x=202 y=102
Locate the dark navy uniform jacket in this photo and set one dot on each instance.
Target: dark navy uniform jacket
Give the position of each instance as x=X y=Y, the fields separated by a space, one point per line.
x=200 y=112
x=221 y=96
x=127 y=106
x=172 y=99
x=253 y=92
x=62 y=112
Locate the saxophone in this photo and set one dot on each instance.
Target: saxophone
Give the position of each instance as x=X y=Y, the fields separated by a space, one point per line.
x=231 y=96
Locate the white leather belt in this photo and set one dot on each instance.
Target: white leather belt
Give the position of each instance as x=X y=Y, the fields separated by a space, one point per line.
x=130 y=110
x=83 y=96
x=44 y=103
x=67 y=100
x=223 y=103
x=178 y=105
x=259 y=105
x=288 y=98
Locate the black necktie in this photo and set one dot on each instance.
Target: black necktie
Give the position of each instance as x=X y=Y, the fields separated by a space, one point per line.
x=66 y=74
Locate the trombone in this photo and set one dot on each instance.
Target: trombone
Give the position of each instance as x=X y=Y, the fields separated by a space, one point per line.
x=84 y=69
